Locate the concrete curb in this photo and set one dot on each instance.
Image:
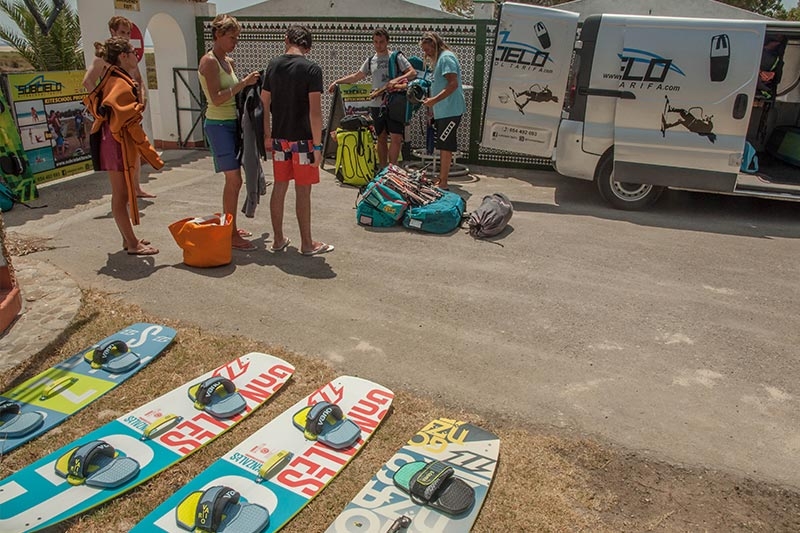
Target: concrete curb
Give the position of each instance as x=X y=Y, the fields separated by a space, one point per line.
x=50 y=301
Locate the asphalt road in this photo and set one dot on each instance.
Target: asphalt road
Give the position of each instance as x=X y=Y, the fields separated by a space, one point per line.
x=672 y=332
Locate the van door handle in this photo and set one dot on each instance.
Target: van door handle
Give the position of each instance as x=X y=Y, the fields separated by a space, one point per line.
x=740 y=106
x=588 y=91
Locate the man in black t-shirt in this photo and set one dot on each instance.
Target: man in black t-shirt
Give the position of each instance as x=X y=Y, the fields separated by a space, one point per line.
x=292 y=98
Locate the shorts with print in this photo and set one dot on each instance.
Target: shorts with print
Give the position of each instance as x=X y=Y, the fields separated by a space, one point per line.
x=382 y=122
x=293 y=160
x=446 y=129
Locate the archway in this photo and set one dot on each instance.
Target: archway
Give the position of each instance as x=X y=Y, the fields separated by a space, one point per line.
x=169 y=51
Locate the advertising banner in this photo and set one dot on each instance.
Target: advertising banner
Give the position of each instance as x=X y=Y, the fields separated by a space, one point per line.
x=350 y=99
x=355 y=98
x=53 y=122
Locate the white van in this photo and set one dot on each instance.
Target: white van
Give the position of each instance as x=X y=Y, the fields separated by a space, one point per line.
x=641 y=103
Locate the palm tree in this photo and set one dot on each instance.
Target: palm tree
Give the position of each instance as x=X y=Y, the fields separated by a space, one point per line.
x=60 y=49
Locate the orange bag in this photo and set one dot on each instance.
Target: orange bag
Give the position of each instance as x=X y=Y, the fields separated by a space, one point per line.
x=205 y=241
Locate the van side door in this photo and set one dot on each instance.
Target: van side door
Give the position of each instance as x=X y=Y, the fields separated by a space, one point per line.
x=693 y=82
x=528 y=78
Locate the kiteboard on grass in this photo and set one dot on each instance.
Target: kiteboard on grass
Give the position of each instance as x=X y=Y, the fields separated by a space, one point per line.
x=138 y=445
x=262 y=483
x=47 y=399
x=436 y=483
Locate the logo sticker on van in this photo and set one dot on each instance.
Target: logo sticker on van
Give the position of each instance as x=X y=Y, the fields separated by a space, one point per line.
x=640 y=65
x=640 y=69
x=523 y=56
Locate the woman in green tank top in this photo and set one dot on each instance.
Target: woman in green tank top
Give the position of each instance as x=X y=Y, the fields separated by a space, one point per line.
x=220 y=85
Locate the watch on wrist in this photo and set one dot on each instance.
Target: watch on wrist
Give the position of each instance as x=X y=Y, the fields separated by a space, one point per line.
x=317 y=147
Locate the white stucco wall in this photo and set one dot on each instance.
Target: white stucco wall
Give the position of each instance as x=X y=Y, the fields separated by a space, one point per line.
x=172 y=28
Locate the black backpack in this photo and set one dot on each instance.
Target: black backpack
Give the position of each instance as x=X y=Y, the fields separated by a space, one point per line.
x=355 y=122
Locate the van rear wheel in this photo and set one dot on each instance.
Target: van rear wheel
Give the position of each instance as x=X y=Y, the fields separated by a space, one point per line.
x=623 y=195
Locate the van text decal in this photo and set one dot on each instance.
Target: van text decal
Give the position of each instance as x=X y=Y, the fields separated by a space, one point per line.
x=640 y=69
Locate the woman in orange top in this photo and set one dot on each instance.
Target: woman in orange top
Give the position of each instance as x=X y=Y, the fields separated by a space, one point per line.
x=118 y=124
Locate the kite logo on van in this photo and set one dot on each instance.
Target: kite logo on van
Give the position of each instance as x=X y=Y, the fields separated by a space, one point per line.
x=640 y=65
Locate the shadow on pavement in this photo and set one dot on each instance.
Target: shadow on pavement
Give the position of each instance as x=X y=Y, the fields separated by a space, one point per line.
x=123 y=266
x=681 y=210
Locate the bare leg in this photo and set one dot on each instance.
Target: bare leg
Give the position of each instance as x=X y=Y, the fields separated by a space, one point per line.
x=303 y=209
x=140 y=193
x=276 y=205
x=382 y=148
x=230 y=201
x=445 y=160
x=119 y=208
x=394 y=148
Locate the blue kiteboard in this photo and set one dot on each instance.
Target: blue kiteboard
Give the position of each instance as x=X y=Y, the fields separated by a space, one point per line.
x=138 y=445
x=47 y=399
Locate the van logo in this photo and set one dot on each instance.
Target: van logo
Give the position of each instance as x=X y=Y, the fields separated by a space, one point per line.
x=520 y=55
x=39 y=85
x=720 y=57
x=541 y=33
x=640 y=65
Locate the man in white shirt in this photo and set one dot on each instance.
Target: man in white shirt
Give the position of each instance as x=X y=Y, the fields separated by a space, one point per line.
x=377 y=66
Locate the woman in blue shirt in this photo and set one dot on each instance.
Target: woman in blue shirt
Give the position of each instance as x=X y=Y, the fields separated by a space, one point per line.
x=447 y=99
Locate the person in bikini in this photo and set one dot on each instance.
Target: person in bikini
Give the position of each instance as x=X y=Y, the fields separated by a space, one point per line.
x=119 y=27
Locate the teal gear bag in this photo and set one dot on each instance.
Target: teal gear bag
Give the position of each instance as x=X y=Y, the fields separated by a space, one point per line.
x=378 y=205
x=440 y=216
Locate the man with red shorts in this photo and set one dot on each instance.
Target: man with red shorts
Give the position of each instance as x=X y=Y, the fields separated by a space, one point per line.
x=292 y=98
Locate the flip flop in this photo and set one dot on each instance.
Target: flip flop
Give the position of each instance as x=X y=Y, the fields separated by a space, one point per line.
x=147 y=250
x=246 y=247
x=435 y=485
x=145 y=195
x=143 y=241
x=321 y=249
x=219 y=509
x=97 y=464
x=325 y=422
x=282 y=247
x=218 y=397
x=243 y=233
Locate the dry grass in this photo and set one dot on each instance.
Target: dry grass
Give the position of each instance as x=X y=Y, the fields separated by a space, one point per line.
x=544 y=482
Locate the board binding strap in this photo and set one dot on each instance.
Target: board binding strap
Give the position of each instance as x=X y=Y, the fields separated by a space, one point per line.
x=325 y=422
x=96 y=464
x=435 y=484
x=220 y=509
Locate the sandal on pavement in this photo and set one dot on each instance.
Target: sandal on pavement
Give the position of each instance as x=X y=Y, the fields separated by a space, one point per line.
x=243 y=233
x=144 y=249
x=321 y=249
x=280 y=248
x=143 y=241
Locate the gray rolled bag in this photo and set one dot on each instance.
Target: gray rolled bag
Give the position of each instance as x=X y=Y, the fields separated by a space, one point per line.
x=491 y=217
